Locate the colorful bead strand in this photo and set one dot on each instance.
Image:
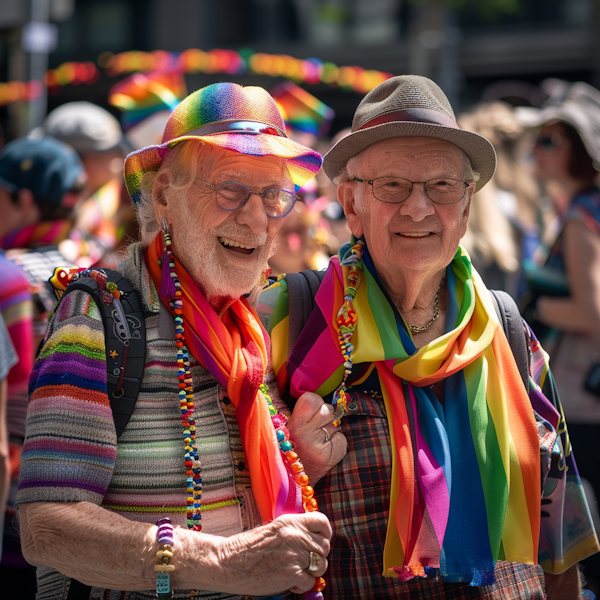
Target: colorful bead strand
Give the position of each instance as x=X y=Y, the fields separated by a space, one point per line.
x=163 y=566
x=296 y=469
x=346 y=322
x=186 y=398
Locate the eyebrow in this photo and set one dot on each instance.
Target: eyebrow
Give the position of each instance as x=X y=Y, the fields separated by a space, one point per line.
x=235 y=174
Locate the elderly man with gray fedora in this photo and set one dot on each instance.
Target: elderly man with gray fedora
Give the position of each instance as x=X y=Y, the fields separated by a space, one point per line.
x=426 y=415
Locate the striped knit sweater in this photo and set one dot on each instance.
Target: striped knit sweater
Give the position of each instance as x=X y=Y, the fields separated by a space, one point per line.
x=71 y=451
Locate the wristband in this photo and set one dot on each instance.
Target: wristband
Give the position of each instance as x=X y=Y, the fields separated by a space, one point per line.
x=163 y=566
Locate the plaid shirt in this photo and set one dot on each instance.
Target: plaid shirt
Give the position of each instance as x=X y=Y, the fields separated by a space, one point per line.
x=355 y=495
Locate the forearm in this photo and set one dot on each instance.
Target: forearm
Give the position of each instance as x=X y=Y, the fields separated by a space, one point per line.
x=567 y=314
x=103 y=549
x=566 y=586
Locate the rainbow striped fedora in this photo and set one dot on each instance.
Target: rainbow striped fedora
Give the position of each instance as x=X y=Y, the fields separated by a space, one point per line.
x=236 y=118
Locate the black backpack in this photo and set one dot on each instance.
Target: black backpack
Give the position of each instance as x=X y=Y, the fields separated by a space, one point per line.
x=125 y=337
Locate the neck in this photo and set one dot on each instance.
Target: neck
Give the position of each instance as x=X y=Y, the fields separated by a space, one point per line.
x=573 y=187
x=413 y=292
x=220 y=303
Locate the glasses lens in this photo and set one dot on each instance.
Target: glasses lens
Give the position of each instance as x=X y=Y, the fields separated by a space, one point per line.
x=548 y=142
x=391 y=189
x=230 y=195
x=445 y=191
x=278 y=203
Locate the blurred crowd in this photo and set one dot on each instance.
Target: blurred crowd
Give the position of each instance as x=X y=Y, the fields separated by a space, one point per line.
x=534 y=231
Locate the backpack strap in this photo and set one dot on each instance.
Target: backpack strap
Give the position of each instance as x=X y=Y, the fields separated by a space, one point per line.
x=302 y=289
x=512 y=323
x=125 y=339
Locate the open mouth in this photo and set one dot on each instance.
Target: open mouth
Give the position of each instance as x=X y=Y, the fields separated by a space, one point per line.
x=415 y=235
x=235 y=246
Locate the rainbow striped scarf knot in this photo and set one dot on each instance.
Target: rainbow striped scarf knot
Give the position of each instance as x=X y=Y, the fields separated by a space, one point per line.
x=465 y=471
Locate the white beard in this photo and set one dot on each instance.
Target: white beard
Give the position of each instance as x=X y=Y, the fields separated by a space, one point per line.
x=221 y=272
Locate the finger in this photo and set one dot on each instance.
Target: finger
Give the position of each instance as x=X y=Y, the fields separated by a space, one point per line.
x=307 y=406
x=317 y=522
x=306 y=584
x=322 y=417
x=321 y=545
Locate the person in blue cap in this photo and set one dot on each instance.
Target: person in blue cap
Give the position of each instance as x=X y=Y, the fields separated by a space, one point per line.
x=40 y=185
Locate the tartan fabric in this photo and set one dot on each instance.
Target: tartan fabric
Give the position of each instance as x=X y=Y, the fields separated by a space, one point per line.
x=355 y=496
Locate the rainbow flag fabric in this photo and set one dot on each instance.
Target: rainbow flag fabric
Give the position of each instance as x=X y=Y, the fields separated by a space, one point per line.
x=466 y=471
x=301 y=110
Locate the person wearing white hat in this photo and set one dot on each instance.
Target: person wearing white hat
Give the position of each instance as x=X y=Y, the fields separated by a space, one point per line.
x=564 y=294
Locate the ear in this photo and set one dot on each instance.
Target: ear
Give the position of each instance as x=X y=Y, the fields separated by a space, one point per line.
x=467 y=210
x=346 y=193
x=160 y=199
x=27 y=209
x=274 y=246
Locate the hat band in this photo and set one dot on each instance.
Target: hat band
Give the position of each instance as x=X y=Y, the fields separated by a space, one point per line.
x=413 y=115
x=253 y=127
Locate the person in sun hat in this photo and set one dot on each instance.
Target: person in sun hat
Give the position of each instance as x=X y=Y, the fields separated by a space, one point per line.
x=459 y=480
x=206 y=446
x=564 y=293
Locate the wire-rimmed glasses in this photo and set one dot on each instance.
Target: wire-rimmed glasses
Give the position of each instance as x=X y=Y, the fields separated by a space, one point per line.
x=232 y=195
x=441 y=190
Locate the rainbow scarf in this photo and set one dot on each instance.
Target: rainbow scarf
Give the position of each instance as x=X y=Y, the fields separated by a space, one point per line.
x=46 y=233
x=235 y=350
x=466 y=472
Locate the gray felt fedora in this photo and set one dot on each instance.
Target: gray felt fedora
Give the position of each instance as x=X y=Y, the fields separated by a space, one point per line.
x=403 y=106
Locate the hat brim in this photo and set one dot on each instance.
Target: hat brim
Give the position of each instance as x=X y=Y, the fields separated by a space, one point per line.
x=480 y=151
x=572 y=115
x=302 y=162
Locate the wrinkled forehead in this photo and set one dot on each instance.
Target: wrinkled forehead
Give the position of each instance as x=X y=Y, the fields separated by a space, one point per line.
x=409 y=152
x=225 y=165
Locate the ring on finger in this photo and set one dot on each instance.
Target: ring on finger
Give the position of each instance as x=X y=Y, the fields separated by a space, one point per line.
x=314 y=562
x=327 y=438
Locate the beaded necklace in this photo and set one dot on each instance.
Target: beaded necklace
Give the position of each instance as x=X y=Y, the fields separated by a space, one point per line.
x=192 y=462
x=346 y=321
x=186 y=398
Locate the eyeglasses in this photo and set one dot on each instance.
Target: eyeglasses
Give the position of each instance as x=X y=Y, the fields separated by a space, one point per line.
x=396 y=189
x=548 y=142
x=232 y=195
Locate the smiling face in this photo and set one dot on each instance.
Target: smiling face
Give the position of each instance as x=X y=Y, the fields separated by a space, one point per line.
x=415 y=235
x=225 y=252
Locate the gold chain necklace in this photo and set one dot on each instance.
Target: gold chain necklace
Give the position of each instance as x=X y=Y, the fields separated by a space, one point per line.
x=436 y=314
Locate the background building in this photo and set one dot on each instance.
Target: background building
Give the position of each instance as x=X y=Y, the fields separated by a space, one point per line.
x=473 y=48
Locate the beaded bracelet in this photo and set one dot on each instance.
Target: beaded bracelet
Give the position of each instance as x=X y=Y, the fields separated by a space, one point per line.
x=163 y=568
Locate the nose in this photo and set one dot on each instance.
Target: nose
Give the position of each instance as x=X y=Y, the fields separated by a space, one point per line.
x=418 y=205
x=252 y=214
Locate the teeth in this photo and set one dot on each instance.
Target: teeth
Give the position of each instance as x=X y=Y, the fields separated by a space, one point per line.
x=228 y=242
x=414 y=234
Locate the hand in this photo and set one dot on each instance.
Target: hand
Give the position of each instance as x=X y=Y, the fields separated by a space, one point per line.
x=274 y=558
x=318 y=454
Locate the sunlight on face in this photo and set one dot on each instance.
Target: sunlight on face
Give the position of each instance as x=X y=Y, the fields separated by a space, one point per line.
x=417 y=234
x=227 y=252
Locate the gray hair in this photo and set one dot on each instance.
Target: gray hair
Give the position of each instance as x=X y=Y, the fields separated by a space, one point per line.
x=176 y=175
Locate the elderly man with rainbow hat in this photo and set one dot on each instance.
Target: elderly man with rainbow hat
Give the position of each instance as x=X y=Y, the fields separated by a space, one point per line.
x=459 y=481
x=202 y=492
